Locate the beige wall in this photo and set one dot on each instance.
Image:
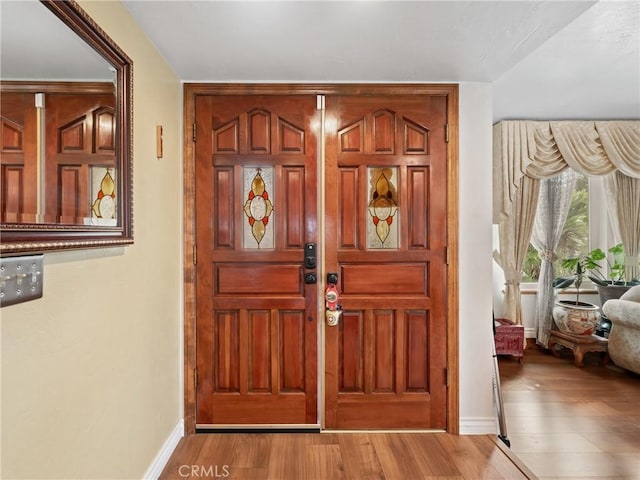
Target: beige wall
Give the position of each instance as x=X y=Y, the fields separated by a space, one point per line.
x=91 y=381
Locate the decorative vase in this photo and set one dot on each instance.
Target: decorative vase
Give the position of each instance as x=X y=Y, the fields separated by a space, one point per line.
x=576 y=318
x=609 y=292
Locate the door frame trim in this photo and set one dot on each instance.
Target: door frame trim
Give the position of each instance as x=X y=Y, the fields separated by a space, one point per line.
x=191 y=91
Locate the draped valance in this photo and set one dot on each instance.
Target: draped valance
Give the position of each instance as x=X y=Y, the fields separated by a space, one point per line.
x=542 y=149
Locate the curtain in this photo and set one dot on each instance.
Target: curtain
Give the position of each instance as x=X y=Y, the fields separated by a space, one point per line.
x=628 y=207
x=529 y=150
x=547 y=160
x=514 y=235
x=554 y=201
x=621 y=142
x=581 y=148
x=612 y=206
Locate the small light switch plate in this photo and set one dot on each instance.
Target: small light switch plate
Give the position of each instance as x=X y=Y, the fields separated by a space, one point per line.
x=21 y=279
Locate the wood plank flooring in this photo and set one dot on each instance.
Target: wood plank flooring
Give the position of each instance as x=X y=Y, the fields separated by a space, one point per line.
x=563 y=422
x=329 y=456
x=571 y=423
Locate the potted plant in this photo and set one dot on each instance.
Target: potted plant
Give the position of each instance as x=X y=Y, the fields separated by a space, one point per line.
x=573 y=316
x=612 y=285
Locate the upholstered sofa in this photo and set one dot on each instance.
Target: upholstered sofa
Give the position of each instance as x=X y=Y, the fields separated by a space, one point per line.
x=624 y=339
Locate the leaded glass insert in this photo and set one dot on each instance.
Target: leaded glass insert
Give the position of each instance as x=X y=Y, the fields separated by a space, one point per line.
x=104 y=210
x=383 y=218
x=257 y=229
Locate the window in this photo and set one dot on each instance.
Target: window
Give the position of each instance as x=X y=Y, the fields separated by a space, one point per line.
x=575 y=236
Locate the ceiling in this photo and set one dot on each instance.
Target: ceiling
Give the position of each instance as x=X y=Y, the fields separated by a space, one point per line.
x=43 y=48
x=545 y=59
x=349 y=41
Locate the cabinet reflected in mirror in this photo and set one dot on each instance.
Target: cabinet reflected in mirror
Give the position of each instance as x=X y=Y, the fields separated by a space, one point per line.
x=65 y=176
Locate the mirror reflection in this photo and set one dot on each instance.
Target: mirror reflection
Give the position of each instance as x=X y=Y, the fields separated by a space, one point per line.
x=59 y=155
x=65 y=151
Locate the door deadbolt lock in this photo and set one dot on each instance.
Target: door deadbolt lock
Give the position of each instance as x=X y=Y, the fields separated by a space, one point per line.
x=310 y=255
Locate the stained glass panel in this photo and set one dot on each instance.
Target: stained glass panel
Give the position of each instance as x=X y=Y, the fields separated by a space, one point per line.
x=104 y=209
x=257 y=231
x=382 y=207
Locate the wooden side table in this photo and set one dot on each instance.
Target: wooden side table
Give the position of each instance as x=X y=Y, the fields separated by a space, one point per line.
x=579 y=344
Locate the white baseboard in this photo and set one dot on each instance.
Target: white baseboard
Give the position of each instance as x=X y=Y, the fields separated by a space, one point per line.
x=163 y=455
x=529 y=332
x=478 y=426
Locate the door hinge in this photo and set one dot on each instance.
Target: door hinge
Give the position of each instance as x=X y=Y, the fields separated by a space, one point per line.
x=446 y=376
x=446 y=133
x=446 y=255
x=195 y=378
x=195 y=255
x=193 y=132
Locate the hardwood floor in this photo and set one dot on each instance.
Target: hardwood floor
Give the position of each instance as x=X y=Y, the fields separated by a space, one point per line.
x=329 y=456
x=568 y=423
x=563 y=422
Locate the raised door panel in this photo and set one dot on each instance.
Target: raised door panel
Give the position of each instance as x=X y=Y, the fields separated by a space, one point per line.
x=73 y=188
x=104 y=131
x=18 y=158
x=13 y=193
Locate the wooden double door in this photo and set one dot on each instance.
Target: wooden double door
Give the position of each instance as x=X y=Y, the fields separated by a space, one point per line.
x=358 y=181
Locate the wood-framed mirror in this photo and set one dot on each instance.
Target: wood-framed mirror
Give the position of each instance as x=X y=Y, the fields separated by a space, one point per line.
x=66 y=152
